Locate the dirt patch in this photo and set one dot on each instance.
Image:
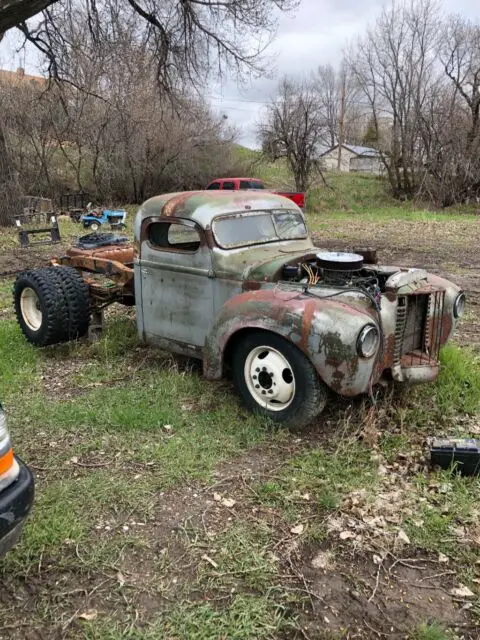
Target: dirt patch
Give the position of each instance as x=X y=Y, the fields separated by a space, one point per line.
x=16 y=260
x=357 y=597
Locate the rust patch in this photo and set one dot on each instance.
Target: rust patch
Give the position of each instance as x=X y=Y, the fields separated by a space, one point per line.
x=169 y=209
x=121 y=253
x=447 y=326
x=251 y=285
x=117 y=271
x=309 y=310
x=389 y=348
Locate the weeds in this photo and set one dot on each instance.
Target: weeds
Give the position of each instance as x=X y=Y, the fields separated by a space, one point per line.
x=125 y=442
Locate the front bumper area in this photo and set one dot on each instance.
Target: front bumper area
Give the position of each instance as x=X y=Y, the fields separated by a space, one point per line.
x=413 y=372
x=15 y=503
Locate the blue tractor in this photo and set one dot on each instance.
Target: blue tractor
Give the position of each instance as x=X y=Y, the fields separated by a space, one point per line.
x=93 y=219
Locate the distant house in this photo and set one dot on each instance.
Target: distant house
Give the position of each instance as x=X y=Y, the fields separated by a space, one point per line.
x=353 y=158
x=19 y=78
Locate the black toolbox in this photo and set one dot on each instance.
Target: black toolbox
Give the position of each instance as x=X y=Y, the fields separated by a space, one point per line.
x=461 y=453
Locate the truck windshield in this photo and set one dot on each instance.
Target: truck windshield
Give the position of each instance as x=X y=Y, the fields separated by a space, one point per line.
x=258 y=228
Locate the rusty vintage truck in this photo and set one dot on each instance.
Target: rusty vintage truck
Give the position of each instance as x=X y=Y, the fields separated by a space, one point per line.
x=235 y=280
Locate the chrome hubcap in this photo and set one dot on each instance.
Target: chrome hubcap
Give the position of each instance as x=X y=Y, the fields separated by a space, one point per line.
x=269 y=378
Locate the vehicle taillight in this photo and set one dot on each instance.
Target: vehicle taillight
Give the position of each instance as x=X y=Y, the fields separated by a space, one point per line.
x=8 y=466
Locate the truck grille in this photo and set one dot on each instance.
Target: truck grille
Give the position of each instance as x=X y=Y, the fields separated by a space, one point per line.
x=418 y=329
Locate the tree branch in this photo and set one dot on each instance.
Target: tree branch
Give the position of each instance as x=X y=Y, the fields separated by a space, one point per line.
x=12 y=12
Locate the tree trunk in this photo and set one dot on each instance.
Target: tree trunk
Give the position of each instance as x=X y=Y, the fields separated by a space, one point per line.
x=10 y=203
x=12 y=12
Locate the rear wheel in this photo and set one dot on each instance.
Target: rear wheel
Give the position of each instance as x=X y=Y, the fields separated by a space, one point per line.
x=40 y=308
x=274 y=378
x=94 y=226
x=52 y=305
x=76 y=293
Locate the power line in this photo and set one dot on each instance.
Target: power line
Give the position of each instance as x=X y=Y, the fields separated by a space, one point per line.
x=236 y=99
x=223 y=108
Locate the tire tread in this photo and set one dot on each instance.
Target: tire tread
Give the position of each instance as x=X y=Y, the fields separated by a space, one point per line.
x=312 y=396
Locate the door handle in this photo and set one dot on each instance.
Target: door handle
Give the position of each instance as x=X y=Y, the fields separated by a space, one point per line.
x=145 y=272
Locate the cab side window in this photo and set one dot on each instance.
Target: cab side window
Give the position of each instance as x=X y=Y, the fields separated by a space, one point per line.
x=214 y=185
x=174 y=236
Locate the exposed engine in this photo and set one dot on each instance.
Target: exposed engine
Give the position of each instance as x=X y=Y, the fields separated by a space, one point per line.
x=338 y=270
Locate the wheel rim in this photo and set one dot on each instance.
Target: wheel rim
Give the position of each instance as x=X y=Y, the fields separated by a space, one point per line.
x=31 y=309
x=94 y=226
x=269 y=377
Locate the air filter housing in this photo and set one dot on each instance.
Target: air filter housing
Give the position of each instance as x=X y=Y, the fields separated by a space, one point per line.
x=337 y=267
x=338 y=261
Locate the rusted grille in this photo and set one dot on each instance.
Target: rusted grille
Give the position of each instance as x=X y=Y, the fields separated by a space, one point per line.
x=418 y=328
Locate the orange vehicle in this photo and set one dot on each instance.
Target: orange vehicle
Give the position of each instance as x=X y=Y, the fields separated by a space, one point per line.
x=16 y=491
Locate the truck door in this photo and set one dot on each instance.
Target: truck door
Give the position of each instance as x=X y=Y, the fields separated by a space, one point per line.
x=175 y=278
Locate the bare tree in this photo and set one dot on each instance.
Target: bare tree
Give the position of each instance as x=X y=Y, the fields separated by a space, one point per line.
x=118 y=136
x=338 y=99
x=186 y=40
x=395 y=67
x=328 y=90
x=450 y=123
x=294 y=128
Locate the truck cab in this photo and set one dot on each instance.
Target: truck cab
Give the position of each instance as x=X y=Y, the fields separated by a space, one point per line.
x=215 y=269
x=234 y=279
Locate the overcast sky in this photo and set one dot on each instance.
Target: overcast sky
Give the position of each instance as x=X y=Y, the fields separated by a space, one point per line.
x=315 y=34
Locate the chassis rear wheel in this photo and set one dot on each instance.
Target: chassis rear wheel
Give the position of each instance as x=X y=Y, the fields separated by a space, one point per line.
x=51 y=305
x=76 y=293
x=40 y=308
x=274 y=378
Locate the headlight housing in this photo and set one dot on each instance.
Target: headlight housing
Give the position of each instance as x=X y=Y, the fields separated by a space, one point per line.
x=459 y=305
x=3 y=427
x=8 y=466
x=368 y=341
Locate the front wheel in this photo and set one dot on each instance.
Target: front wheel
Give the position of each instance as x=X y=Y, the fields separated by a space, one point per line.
x=274 y=378
x=94 y=226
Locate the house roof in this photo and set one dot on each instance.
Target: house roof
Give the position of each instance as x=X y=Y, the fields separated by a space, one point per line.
x=20 y=78
x=356 y=149
x=361 y=151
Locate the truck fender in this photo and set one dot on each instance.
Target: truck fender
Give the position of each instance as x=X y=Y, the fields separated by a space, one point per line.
x=325 y=330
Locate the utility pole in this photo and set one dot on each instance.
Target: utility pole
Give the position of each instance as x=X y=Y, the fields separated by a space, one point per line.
x=341 y=123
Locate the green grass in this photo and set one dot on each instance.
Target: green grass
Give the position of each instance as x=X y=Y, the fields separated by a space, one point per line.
x=244 y=618
x=171 y=426
x=445 y=521
x=19 y=370
x=243 y=555
x=5 y=298
x=349 y=192
x=434 y=409
x=319 y=477
x=458 y=386
x=433 y=631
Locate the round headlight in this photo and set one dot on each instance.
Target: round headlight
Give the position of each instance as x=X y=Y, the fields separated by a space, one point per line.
x=367 y=341
x=459 y=305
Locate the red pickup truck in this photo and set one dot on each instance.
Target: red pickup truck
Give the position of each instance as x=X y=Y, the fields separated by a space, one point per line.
x=234 y=184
